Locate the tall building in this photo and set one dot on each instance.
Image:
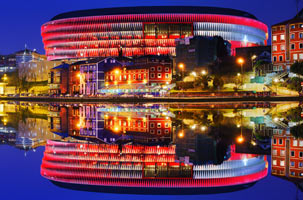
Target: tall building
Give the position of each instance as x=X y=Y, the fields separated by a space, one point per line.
x=287 y=43
x=136 y=31
x=198 y=52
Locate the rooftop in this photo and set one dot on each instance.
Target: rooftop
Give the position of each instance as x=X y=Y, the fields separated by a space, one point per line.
x=153 y=10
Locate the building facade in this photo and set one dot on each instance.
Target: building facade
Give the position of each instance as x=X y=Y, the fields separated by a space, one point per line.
x=287 y=43
x=287 y=155
x=141 y=31
x=58 y=80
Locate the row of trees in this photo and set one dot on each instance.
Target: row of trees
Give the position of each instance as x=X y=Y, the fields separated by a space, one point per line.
x=202 y=82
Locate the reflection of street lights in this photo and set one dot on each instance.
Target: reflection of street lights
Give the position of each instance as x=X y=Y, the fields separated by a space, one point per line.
x=117 y=73
x=276 y=80
x=182 y=67
x=252 y=62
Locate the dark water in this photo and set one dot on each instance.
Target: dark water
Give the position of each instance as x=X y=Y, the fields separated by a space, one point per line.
x=164 y=151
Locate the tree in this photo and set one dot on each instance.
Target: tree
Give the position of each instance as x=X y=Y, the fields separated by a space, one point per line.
x=295 y=84
x=297 y=68
x=217 y=82
x=297 y=131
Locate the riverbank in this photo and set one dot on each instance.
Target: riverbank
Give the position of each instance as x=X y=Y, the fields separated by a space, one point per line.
x=152 y=100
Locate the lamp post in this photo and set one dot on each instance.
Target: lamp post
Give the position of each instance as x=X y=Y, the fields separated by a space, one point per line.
x=182 y=67
x=241 y=62
x=252 y=63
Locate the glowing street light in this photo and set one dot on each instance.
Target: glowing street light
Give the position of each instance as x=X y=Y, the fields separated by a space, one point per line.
x=203 y=72
x=240 y=139
x=182 y=68
x=181 y=134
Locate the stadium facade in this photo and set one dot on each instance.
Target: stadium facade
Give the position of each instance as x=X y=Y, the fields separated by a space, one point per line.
x=137 y=31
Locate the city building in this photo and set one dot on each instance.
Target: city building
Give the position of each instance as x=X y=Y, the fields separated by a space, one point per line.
x=58 y=80
x=287 y=155
x=137 y=79
x=198 y=52
x=135 y=31
x=33 y=67
x=252 y=55
x=287 y=43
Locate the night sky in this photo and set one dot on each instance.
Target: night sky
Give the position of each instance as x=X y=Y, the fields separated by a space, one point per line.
x=21 y=20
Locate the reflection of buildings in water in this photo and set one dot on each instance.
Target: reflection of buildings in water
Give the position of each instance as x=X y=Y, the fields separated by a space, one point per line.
x=143 y=166
x=33 y=132
x=287 y=155
x=111 y=123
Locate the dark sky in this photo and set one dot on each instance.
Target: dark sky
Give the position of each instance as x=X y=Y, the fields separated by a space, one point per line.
x=20 y=20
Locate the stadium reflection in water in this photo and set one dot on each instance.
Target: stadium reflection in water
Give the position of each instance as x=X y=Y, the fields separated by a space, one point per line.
x=148 y=148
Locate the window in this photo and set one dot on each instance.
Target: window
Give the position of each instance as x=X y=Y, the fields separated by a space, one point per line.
x=274 y=162
x=280 y=141
x=166 y=69
x=292 y=46
x=152 y=75
x=292 y=26
x=301 y=154
x=282 y=163
x=301 y=143
x=159 y=125
x=159 y=132
x=159 y=75
x=300 y=164
x=282 y=37
x=292 y=173
x=152 y=125
x=292 y=163
x=166 y=131
x=166 y=75
x=134 y=76
x=295 y=56
x=282 y=152
x=295 y=143
x=274 y=152
x=275 y=141
x=139 y=76
x=166 y=125
x=152 y=131
x=152 y=69
x=159 y=69
x=292 y=153
x=280 y=58
x=274 y=48
x=275 y=58
x=301 y=45
x=273 y=29
x=292 y=36
x=301 y=35
x=282 y=47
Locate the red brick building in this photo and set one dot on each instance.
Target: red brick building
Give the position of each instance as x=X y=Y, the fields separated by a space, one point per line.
x=287 y=155
x=74 y=78
x=152 y=74
x=287 y=43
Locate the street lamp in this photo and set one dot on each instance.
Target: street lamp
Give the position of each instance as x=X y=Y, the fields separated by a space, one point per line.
x=182 y=67
x=241 y=62
x=117 y=73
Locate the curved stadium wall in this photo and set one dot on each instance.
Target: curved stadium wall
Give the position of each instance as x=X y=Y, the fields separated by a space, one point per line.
x=145 y=30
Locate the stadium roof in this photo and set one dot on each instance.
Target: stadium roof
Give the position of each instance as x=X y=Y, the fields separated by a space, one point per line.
x=153 y=10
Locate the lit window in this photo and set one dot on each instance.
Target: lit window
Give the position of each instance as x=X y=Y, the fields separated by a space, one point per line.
x=295 y=143
x=282 y=152
x=159 y=125
x=301 y=25
x=301 y=143
x=274 y=152
x=282 y=47
x=300 y=35
x=292 y=173
x=274 y=48
x=274 y=162
x=300 y=164
x=292 y=163
x=166 y=75
x=292 y=26
x=282 y=163
x=274 y=38
x=295 y=56
x=282 y=37
x=159 y=75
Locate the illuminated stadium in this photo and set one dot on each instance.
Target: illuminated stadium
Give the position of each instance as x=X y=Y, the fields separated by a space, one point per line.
x=84 y=165
x=135 y=31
